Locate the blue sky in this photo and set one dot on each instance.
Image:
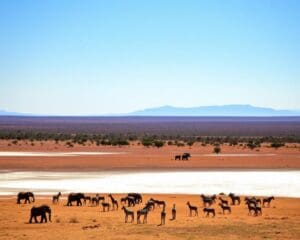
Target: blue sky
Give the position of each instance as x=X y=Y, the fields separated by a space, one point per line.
x=96 y=57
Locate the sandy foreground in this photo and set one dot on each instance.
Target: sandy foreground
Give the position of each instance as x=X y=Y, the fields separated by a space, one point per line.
x=280 y=221
x=137 y=157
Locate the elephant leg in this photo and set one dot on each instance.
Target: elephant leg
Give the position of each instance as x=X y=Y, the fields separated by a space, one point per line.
x=30 y=220
x=35 y=219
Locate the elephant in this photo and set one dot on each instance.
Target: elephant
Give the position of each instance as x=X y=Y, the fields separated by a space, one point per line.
x=75 y=197
x=26 y=196
x=40 y=211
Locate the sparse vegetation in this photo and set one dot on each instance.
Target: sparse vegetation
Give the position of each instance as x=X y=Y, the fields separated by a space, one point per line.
x=147 y=140
x=277 y=144
x=158 y=143
x=190 y=143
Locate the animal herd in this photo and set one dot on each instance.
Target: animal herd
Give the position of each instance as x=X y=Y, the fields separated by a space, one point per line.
x=225 y=203
x=183 y=157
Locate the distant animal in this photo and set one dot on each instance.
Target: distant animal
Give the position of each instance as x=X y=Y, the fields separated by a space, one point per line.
x=55 y=198
x=105 y=205
x=150 y=205
x=208 y=200
x=225 y=208
x=75 y=197
x=40 y=211
x=258 y=211
x=137 y=197
x=124 y=200
x=87 y=198
x=142 y=212
x=268 y=201
x=173 y=212
x=158 y=202
x=127 y=214
x=208 y=211
x=25 y=195
x=163 y=216
x=234 y=199
x=97 y=199
x=254 y=210
x=114 y=202
x=185 y=156
x=131 y=201
x=224 y=202
x=253 y=200
x=177 y=157
x=192 y=209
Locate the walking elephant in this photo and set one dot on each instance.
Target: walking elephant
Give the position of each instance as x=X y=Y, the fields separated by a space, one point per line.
x=40 y=211
x=75 y=197
x=26 y=196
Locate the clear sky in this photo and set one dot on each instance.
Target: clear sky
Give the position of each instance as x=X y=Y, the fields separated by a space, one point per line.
x=97 y=57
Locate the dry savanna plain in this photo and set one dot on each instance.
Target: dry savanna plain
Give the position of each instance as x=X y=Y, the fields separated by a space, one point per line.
x=280 y=221
x=137 y=157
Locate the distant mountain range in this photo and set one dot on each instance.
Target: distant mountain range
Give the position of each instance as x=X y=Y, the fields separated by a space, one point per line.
x=7 y=113
x=224 y=110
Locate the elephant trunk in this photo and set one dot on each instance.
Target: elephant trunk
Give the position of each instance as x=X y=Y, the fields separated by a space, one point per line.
x=50 y=216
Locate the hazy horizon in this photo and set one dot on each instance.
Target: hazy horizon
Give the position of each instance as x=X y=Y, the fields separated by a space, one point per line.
x=168 y=110
x=115 y=57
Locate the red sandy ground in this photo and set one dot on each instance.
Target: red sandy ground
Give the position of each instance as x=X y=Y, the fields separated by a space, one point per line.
x=280 y=221
x=137 y=157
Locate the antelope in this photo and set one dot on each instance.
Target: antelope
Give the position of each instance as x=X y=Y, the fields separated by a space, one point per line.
x=224 y=202
x=142 y=212
x=208 y=211
x=234 y=198
x=158 y=202
x=105 y=205
x=225 y=208
x=192 y=209
x=163 y=216
x=173 y=212
x=268 y=200
x=55 y=198
x=128 y=213
x=114 y=202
